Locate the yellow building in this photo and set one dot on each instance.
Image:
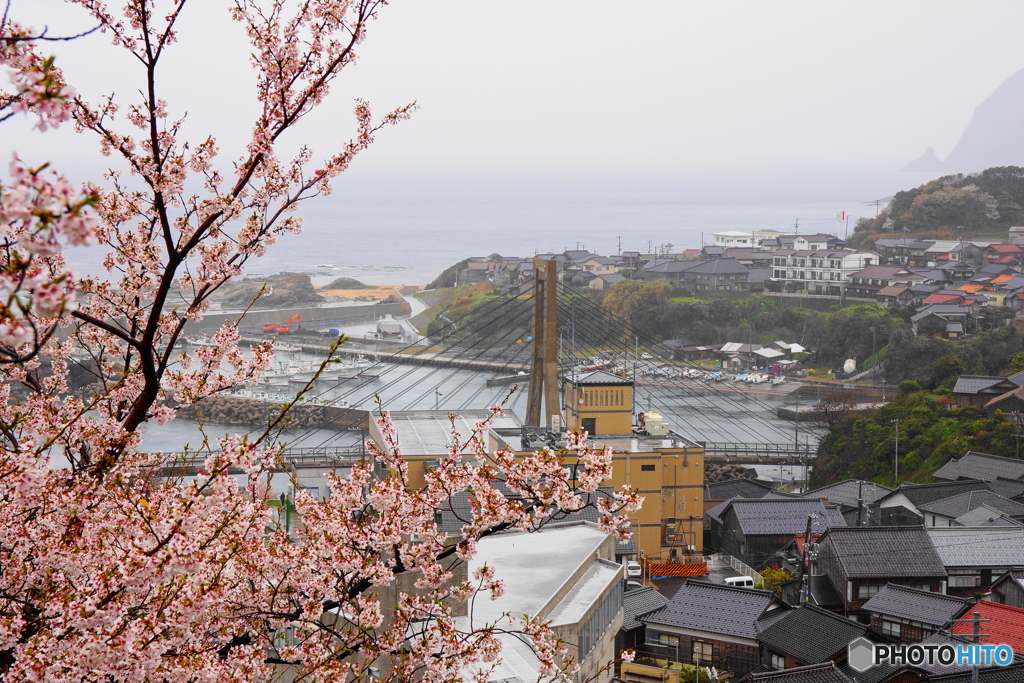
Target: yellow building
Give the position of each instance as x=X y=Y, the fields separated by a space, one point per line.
x=666 y=468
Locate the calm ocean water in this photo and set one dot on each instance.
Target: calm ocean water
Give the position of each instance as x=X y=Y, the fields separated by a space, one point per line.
x=412 y=242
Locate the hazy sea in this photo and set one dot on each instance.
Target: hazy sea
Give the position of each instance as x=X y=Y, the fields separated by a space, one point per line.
x=411 y=243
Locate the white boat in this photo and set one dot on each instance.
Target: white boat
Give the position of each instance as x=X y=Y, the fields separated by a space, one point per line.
x=287 y=348
x=201 y=341
x=389 y=326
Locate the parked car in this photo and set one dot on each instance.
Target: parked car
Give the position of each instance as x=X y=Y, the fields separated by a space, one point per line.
x=634 y=570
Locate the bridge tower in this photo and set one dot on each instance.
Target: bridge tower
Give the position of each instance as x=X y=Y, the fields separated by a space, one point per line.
x=544 y=363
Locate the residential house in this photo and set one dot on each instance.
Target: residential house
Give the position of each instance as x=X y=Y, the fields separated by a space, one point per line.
x=857 y=499
x=806 y=635
x=715 y=276
x=860 y=561
x=949 y=321
x=1010 y=404
x=867 y=282
x=946 y=512
x=975 y=556
x=902 y=506
x=601 y=283
x=734 y=238
x=1002 y=254
x=1008 y=588
x=709 y=624
x=978 y=391
x=894 y=296
x=753 y=531
x=598 y=265
x=985 y=515
x=812 y=673
x=983 y=466
x=944 y=251
x=637 y=603
x=910 y=615
x=1002 y=624
x=821 y=272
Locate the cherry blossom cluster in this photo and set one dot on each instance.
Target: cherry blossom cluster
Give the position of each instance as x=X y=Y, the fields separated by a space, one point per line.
x=119 y=564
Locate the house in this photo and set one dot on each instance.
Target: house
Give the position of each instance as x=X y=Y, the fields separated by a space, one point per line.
x=977 y=391
x=716 y=492
x=598 y=265
x=860 y=561
x=1003 y=625
x=867 y=282
x=982 y=466
x=824 y=272
x=910 y=615
x=579 y=593
x=637 y=603
x=806 y=635
x=945 y=512
x=857 y=499
x=902 y=506
x=716 y=275
x=709 y=624
x=948 y=321
x=601 y=283
x=734 y=238
x=812 y=673
x=1008 y=588
x=753 y=531
x=975 y=556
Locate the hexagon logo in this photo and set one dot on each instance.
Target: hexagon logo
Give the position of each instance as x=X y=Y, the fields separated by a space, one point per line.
x=861 y=654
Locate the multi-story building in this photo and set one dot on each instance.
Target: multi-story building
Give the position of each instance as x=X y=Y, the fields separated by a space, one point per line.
x=823 y=272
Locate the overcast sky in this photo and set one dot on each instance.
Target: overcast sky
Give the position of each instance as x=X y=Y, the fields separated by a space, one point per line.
x=614 y=92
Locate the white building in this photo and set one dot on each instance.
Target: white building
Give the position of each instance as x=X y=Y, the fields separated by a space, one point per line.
x=566 y=574
x=823 y=272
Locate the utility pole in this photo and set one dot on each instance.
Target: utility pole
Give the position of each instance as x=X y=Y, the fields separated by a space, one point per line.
x=976 y=636
x=805 y=569
x=896 y=466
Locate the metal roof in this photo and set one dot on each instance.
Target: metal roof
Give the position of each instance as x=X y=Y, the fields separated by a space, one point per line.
x=601 y=378
x=934 y=609
x=782 y=516
x=812 y=673
x=977 y=465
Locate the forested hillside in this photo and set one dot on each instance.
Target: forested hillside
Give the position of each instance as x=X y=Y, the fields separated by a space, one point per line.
x=977 y=205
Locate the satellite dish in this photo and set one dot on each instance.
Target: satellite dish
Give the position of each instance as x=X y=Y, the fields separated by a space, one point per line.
x=849 y=366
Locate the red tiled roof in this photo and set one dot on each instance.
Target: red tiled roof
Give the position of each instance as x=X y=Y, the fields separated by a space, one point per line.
x=1005 y=625
x=938 y=298
x=695 y=569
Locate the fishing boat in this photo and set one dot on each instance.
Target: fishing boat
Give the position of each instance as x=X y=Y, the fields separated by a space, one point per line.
x=201 y=341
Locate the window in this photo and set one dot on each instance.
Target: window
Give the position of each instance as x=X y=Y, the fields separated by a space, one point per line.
x=891 y=628
x=865 y=591
x=778 y=661
x=702 y=652
x=964 y=578
x=647 y=468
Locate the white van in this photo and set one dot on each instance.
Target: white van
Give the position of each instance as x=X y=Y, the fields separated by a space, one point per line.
x=740 y=581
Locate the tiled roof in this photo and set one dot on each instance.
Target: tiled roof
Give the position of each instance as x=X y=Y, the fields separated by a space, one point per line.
x=964 y=546
x=985 y=516
x=1005 y=625
x=714 y=608
x=811 y=634
x=954 y=506
x=813 y=673
x=922 y=494
x=636 y=603
x=846 y=492
x=1010 y=488
x=884 y=552
x=781 y=516
x=975 y=465
x=746 y=488
x=719 y=266
x=909 y=603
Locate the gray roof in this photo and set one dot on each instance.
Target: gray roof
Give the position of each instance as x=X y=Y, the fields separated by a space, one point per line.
x=719 y=266
x=731 y=488
x=966 y=546
x=972 y=384
x=714 y=608
x=1010 y=488
x=985 y=516
x=782 y=516
x=601 y=378
x=922 y=494
x=934 y=609
x=954 y=506
x=811 y=634
x=812 y=673
x=884 y=552
x=976 y=465
x=846 y=492
x=638 y=602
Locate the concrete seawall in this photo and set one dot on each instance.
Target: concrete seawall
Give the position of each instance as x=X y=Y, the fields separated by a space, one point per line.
x=322 y=315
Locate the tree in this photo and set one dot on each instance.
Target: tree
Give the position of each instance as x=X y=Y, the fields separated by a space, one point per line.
x=110 y=572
